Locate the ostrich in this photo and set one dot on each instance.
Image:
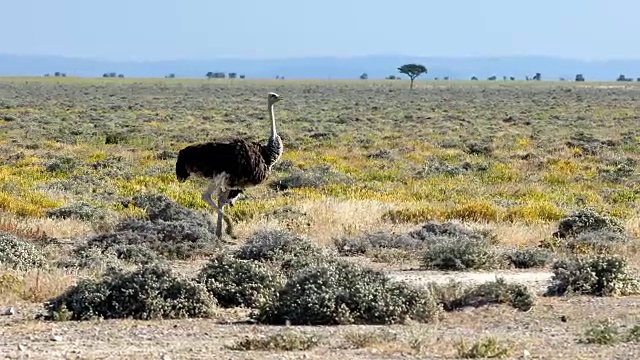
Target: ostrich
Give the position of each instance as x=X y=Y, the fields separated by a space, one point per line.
x=230 y=167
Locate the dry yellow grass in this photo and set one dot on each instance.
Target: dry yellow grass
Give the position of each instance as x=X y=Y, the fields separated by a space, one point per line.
x=33 y=286
x=34 y=226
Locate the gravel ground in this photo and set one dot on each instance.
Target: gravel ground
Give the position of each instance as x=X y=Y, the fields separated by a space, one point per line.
x=541 y=332
x=537 y=280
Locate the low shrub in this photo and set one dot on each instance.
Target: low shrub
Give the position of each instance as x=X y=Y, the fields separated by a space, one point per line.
x=288 y=251
x=168 y=231
x=486 y=348
x=161 y=207
x=527 y=258
x=345 y=293
x=315 y=177
x=601 y=275
x=587 y=220
x=374 y=244
x=169 y=240
x=237 y=282
x=434 y=229
x=286 y=340
x=62 y=164
x=478 y=148
x=276 y=245
x=460 y=253
x=91 y=257
x=602 y=333
x=602 y=241
x=455 y=295
x=150 y=292
x=20 y=254
x=606 y=332
x=368 y=242
x=79 y=211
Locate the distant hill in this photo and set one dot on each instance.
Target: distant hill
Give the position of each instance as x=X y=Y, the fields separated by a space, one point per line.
x=327 y=67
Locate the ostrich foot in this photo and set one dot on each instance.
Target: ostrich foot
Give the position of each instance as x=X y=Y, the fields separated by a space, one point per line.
x=229 y=230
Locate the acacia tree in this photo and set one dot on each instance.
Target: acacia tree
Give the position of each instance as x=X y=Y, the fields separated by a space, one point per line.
x=412 y=71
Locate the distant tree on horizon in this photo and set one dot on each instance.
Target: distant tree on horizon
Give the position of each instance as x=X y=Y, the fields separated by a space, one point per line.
x=412 y=71
x=579 y=77
x=215 y=75
x=623 y=78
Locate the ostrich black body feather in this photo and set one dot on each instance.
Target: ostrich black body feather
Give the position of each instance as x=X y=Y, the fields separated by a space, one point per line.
x=246 y=163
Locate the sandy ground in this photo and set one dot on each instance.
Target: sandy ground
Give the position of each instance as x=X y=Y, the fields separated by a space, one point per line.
x=541 y=333
x=536 y=280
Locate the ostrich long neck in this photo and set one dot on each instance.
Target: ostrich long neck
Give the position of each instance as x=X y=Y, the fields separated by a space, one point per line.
x=274 y=145
x=273 y=121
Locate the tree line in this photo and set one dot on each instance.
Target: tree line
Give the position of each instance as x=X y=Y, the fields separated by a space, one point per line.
x=413 y=71
x=221 y=75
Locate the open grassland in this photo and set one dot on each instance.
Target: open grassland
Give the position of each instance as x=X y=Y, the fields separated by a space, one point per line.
x=461 y=177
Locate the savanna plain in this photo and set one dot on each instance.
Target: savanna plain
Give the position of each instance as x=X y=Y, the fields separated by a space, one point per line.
x=457 y=220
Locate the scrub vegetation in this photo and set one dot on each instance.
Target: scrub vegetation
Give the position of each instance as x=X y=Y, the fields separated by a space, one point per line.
x=371 y=239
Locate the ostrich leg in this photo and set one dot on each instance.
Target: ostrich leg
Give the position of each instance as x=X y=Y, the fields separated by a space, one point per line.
x=223 y=200
x=206 y=196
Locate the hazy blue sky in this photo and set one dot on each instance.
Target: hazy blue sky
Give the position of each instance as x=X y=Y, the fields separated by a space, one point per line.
x=171 y=29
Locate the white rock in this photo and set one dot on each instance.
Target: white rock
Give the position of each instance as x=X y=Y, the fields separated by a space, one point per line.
x=55 y=338
x=10 y=311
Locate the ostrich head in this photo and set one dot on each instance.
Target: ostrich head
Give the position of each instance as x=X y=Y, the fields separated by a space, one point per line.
x=273 y=98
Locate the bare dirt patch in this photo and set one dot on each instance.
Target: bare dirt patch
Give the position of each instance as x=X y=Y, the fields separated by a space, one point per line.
x=537 y=280
x=542 y=332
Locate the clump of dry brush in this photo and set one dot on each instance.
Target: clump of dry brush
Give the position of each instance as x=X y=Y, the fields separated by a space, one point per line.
x=444 y=246
x=286 y=278
x=168 y=231
x=591 y=267
x=283 y=277
x=20 y=254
